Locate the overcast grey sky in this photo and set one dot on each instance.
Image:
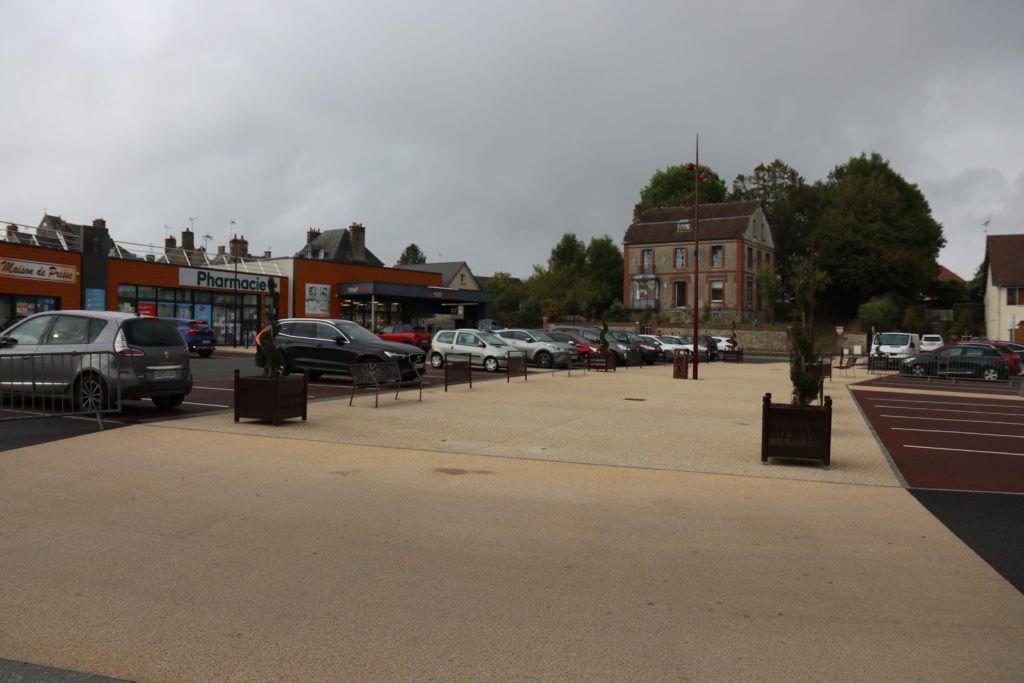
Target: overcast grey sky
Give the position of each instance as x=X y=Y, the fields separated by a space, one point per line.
x=484 y=131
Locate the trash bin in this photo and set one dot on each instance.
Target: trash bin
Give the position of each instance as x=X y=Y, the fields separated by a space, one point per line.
x=681 y=365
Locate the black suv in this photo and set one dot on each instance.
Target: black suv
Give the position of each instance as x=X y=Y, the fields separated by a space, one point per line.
x=324 y=346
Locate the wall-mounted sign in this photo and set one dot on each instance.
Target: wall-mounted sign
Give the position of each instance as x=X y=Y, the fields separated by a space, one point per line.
x=318 y=299
x=95 y=299
x=223 y=279
x=34 y=270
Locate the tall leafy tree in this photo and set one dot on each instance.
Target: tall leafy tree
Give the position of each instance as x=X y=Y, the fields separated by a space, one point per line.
x=674 y=187
x=578 y=279
x=603 y=269
x=789 y=204
x=412 y=255
x=508 y=305
x=875 y=234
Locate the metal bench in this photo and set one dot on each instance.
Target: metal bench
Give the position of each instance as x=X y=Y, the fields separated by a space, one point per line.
x=377 y=375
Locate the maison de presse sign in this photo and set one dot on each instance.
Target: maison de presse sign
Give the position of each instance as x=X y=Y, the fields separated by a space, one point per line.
x=34 y=270
x=222 y=279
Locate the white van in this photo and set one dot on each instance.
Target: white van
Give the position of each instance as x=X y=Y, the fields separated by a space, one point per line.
x=895 y=345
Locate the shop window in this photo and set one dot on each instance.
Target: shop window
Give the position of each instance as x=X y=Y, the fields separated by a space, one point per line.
x=716 y=256
x=146 y=293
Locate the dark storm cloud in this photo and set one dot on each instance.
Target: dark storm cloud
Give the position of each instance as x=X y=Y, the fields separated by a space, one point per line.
x=483 y=132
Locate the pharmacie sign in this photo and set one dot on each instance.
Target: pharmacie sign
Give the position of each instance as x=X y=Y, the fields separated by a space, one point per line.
x=223 y=279
x=34 y=270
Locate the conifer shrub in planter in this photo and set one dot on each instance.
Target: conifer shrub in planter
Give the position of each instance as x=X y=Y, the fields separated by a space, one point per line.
x=271 y=396
x=799 y=430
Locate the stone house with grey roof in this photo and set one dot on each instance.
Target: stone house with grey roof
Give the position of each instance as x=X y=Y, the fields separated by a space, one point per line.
x=1004 y=287
x=341 y=245
x=454 y=274
x=658 y=251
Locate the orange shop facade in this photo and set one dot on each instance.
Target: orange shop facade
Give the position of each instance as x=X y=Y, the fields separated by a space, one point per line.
x=34 y=279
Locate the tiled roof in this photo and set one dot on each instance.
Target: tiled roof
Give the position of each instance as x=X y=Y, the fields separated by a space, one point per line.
x=947 y=275
x=724 y=221
x=448 y=270
x=1005 y=254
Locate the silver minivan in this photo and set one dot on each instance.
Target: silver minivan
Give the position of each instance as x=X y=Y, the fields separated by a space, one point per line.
x=93 y=357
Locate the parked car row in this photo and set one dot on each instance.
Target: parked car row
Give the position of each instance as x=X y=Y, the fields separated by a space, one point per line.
x=990 y=361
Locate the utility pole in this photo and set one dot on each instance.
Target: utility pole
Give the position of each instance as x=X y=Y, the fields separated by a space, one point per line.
x=698 y=178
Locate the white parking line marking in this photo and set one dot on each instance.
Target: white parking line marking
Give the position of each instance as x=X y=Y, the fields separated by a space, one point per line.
x=952 y=419
x=962 y=450
x=208 y=405
x=950 y=431
x=194 y=387
x=940 y=410
x=974 y=404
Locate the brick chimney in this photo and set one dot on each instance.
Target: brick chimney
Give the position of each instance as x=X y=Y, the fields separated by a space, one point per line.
x=170 y=243
x=188 y=239
x=12 y=232
x=99 y=223
x=239 y=247
x=311 y=235
x=357 y=236
x=266 y=254
x=636 y=213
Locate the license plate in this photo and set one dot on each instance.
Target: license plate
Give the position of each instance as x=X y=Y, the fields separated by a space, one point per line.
x=165 y=374
x=205 y=342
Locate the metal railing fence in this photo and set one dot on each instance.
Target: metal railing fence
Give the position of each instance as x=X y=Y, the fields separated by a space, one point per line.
x=34 y=385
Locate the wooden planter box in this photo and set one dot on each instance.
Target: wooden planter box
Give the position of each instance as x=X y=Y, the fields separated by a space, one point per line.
x=797 y=432
x=596 y=361
x=734 y=356
x=270 y=398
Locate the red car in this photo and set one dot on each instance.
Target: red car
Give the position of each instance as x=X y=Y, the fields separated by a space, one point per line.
x=584 y=348
x=406 y=334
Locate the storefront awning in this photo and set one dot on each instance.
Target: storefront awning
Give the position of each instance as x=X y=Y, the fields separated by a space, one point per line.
x=394 y=290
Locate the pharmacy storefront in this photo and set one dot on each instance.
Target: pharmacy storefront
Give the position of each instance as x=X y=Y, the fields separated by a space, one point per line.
x=232 y=304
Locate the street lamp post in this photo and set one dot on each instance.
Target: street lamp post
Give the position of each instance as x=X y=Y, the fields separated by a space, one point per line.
x=698 y=178
x=233 y=250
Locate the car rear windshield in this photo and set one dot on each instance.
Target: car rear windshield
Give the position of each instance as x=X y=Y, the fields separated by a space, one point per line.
x=150 y=332
x=893 y=339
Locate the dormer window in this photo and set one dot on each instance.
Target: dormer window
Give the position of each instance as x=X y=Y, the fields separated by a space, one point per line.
x=684 y=226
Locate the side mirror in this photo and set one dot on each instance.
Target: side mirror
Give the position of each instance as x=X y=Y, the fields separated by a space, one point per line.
x=7 y=341
x=339 y=340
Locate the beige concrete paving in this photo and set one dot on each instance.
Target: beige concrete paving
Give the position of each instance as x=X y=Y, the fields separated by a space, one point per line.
x=204 y=550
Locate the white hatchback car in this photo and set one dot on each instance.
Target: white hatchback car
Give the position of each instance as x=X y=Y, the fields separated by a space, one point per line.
x=930 y=342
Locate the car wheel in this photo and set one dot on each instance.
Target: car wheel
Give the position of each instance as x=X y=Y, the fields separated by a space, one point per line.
x=917 y=370
x=544 y=359
x=989 y=374
x=91 y=394
x=168 y=402
x=205 y=353
x=490 y=364
x=436 y=360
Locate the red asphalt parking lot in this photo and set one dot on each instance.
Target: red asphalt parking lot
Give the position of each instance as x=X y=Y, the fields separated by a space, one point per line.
x=950 y=442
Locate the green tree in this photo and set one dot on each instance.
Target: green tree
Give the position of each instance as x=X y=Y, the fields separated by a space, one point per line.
x=411 y=256
x=789 y=204
x=577 y=279
x=881 y=312
x=674 y=187
x=603 y=270
x=769 y=288
x=509 y=296
x=875 y=234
